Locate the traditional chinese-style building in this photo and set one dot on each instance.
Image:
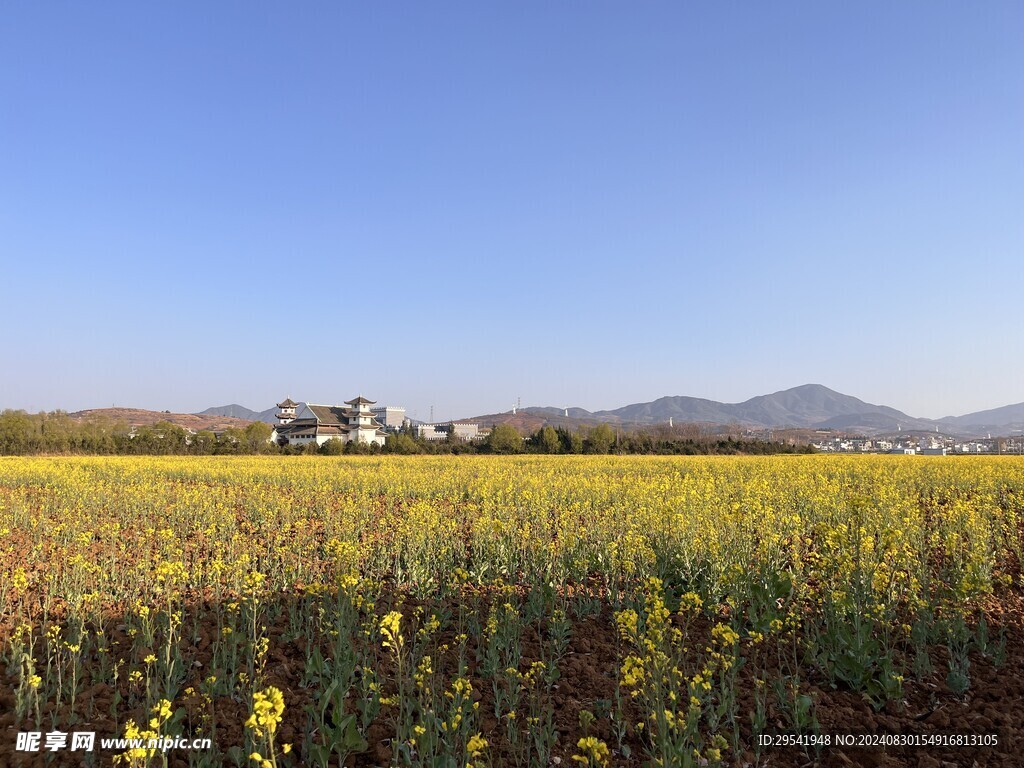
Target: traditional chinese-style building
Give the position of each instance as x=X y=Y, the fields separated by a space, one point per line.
x=308 y=423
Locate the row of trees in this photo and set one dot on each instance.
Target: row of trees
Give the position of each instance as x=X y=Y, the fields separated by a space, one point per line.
x=23 y=433
x=56 y=433
x=166 y=438
x=657 y=440
x=600 y=439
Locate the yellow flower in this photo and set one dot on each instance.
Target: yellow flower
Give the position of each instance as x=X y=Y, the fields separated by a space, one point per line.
x=592 y=752
x=627 y=623
x=267 y=709
x=254 y=581
x=476 y=745
x=390 y=626
x=162 y=710
x=690 y=602
x=724 y=635
x=19 y=580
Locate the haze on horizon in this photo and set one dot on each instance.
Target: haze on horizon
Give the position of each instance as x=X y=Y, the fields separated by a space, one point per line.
x=458 y=204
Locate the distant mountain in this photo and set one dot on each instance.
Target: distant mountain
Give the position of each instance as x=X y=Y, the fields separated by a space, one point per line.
x=810 y=406
x=682 y=409
x=236 y=411
x=876 y=422
x=1006 y=420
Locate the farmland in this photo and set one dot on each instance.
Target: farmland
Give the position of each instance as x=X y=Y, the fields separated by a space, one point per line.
x=520 y=611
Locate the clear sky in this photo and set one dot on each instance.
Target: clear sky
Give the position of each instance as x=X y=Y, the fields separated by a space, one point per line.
x=458 y=204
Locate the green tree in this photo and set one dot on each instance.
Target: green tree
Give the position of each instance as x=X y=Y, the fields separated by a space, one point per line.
x=600 y=439
x=333 y=447
x=203 y=442
x=57 y=432
x=16 y=433
x=504 y=438
x=401 y=443
x=572 y=441
x=257 y=436
x=162 y=438
x=547 y=440
x=230 y=440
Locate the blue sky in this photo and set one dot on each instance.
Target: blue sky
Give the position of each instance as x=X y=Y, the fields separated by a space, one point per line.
x=459 y=204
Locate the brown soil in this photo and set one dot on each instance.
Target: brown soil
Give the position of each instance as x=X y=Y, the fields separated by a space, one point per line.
x=994 y=703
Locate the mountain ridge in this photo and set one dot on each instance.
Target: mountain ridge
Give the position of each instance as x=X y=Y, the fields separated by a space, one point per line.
x=237 y=411
x=807 y=406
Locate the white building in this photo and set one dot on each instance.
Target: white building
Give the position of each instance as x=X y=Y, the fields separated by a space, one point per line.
x=973 y=447
x=432 y=431
x=391 y=417
x=312 y=423
x=465 y=431
x=457 y=430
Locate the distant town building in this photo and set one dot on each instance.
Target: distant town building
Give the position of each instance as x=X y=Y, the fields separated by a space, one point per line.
x=391 y=417
x=974 y=447
x=464 y=431
x=921 y=445
x=431 y=432
x=456 y=430
x=312 y=423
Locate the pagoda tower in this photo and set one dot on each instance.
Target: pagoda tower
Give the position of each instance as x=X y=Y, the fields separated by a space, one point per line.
x=362 y=426
x=287 y=413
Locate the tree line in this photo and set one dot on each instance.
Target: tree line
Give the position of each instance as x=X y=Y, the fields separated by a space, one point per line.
x=659 y=440
x=24 y=434
x=599 y=439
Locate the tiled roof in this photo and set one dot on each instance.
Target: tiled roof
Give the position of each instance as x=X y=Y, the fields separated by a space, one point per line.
x=295 y=426
x=328 y=414
x=360 y=401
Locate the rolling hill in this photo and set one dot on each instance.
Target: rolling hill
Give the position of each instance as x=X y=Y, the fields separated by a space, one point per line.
x=236 y=411
x=810 y=406
x=139 y=417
